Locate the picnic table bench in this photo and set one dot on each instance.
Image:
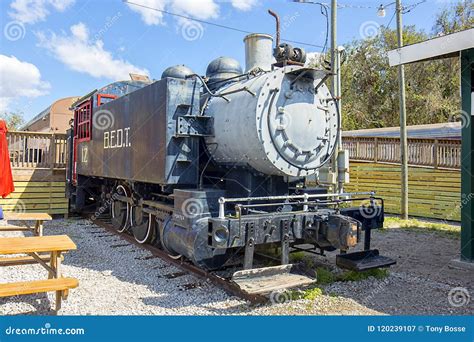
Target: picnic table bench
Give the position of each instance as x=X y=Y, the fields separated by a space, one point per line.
x=25 y=218
x=56 y=245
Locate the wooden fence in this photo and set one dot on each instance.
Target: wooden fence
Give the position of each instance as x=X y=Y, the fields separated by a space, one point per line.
x=433 y=153
x=39 y=172
x=37 y=150
x=434 y=177
x=432 y=193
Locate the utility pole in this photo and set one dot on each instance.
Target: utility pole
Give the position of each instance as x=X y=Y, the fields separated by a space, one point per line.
x=337 y=177
x=335 y=81
x=333 y=45
x=403 y=120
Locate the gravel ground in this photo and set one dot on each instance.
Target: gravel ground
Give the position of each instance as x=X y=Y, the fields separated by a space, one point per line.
x=117 y=278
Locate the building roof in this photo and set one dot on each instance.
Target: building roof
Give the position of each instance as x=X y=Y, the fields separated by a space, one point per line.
x=436 y=48
x=43 y=113
x=36 y=118
x=450 y=130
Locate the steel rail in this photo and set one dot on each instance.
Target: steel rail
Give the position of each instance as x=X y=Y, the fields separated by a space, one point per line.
x=223 y=283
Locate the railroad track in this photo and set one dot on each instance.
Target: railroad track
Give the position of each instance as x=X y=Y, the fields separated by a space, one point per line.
x=224 y=283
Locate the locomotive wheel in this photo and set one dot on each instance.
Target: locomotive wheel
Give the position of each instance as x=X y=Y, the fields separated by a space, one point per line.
x=142 y=224
x=121 y=210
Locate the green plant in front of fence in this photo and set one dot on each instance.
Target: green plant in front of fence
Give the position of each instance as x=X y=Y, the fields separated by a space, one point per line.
x=377 y=273
x=423 y=226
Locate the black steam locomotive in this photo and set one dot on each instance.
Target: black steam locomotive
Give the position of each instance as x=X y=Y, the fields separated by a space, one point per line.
x=210 y=168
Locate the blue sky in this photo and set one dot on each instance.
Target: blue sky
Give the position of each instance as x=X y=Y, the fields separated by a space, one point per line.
x=57 y=48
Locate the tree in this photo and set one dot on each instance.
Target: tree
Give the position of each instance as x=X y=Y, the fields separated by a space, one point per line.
x=13 y=120
x=457 y=18
x=370 y=85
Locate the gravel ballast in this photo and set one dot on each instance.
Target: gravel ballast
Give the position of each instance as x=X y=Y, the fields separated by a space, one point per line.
x=118 y=278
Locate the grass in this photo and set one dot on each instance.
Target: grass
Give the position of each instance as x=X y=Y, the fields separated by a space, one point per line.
x=297 y=257
x=327 y=277
x=378 y=273
x=309 y=294
x=324 y=276
x=413 y=224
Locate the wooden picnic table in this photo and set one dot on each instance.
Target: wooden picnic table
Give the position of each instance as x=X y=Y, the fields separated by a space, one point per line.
x=56 y=245
x=25 y=218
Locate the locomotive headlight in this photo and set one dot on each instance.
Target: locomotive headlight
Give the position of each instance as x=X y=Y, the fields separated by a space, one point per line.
x=221 y=235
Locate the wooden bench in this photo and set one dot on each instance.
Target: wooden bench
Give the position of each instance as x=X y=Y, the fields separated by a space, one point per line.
x=61 y=285
x=24 y=260
x=38 y=218
x=55 y=244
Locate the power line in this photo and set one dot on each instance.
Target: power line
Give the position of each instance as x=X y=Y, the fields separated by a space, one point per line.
x=324 y=11
x=214 y=24
x=408 y=8
x=393 y=16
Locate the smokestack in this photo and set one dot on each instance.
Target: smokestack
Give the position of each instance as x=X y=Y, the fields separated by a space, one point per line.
x=258 y=51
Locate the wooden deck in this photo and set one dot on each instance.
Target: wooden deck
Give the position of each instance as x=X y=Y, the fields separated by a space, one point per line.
x=38 y=167
x=37 y=190
x=433 y=193
x=427 y=152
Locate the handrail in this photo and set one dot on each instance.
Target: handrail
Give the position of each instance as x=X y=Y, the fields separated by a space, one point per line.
x=36 y=133
x=37 y=149
x=426 y=152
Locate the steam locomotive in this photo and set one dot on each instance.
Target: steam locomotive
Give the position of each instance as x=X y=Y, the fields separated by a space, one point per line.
x=212 y=168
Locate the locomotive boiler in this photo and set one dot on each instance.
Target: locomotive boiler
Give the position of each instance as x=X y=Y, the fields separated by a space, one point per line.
x=211 y=168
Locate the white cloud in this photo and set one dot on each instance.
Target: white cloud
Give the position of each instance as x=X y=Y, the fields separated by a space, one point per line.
x=244 y=5
x=200 y=9
x=149 y=16
x=19 y=79
x=61 y=5
x=81 y=54
x=33 y=11
x=80 y=31
x=314 y=59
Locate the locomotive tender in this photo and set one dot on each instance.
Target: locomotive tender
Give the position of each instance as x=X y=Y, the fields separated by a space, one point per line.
x=210 y=168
